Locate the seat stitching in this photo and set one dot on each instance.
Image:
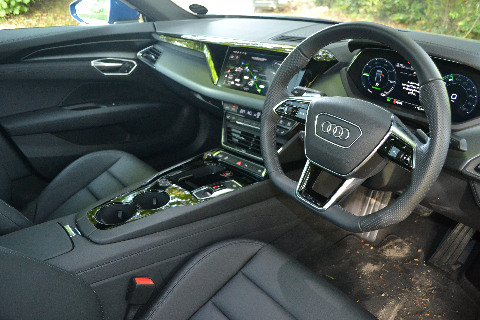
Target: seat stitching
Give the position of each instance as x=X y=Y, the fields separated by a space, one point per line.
x=84 y=158
x=8 y=218
x=63 y=204
x=174 y=286
x=263 y=290
x=114 y=177
x=90 y=191
x=472 y=185
x=87 y=157
x=219 y=310
x=21 y=215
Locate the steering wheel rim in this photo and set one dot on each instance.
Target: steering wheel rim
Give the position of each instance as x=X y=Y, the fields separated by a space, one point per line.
x=430 y=156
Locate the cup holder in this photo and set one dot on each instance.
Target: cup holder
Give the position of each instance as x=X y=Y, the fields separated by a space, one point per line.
x=151 y=200
x=115 y=214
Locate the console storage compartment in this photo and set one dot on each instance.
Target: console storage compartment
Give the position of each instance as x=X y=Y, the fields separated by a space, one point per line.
x=43 y=241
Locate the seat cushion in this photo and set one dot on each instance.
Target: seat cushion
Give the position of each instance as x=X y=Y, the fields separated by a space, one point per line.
x=33 y=289
x=244 y=279
x=87 y=180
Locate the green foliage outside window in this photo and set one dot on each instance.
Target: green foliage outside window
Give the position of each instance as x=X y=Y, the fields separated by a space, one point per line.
x=451 y=17
x=13 y=7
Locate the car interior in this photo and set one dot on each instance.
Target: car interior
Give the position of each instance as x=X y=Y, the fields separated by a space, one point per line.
x=234 y=167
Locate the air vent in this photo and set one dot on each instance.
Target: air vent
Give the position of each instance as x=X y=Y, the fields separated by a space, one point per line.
x=149 y=55
x=288 y=38
x=244 y=141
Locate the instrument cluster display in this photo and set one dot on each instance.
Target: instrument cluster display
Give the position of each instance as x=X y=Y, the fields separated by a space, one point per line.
x=385 y=76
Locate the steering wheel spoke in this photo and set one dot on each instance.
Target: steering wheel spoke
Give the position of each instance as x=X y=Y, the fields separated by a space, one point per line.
x=321 y=189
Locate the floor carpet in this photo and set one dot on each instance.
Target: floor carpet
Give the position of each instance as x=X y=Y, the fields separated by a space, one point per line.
x=391 y=279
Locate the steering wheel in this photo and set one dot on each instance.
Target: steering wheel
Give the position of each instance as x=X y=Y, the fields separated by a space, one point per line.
x=353 y=139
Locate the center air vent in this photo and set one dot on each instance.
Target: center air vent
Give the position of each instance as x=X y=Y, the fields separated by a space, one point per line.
x=244 y=141
x=149 y=55
x=288 y=38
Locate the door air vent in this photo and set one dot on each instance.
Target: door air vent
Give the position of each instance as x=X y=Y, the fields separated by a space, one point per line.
x=149 y=55
x=288 y=38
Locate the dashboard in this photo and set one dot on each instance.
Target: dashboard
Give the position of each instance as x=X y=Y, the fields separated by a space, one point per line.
x=228 y=70
x=383 y=75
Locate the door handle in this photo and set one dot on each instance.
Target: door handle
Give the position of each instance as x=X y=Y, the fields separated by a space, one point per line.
x=114 y=66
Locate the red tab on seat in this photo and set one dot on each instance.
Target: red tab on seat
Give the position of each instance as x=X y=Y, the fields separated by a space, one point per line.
x=145 y=281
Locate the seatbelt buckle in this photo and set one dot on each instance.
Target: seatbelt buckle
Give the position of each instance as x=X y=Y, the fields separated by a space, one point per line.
x=140 y=290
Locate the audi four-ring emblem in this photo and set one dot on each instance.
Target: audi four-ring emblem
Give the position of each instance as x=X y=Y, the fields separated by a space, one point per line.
x=335 y=130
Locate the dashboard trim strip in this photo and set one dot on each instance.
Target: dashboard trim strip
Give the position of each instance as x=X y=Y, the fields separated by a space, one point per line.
x=197 y=46
x=321 y=55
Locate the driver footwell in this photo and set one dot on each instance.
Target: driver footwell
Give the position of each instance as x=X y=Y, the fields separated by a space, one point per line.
x=390 y=279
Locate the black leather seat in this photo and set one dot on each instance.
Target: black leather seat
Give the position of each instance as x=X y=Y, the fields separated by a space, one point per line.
x=244 y=279
x=238 y=279
x=86 y=180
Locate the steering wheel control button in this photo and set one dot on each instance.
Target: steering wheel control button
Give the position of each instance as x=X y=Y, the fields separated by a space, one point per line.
x=337 y=131
x=397 y=151
x=295 y=110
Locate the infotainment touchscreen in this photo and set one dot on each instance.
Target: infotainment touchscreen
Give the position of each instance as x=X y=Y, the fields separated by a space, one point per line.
x=249 y=71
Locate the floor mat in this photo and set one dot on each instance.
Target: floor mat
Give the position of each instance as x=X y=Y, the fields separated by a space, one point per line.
x=390 y=280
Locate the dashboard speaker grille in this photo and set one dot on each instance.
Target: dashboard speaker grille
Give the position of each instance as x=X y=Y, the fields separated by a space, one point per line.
x=288 y=38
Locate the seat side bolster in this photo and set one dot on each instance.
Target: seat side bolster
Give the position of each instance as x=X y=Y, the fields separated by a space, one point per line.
x=302 y=293
x=197 y=282
x=11 y=219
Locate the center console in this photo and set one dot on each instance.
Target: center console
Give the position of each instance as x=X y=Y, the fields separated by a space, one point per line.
x=190 y=183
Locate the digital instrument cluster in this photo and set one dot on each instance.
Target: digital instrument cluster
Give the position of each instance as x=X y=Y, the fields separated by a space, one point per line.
x=249 y=71
x=385 y=76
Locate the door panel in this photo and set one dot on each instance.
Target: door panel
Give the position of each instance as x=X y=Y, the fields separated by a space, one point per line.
x=57 y=107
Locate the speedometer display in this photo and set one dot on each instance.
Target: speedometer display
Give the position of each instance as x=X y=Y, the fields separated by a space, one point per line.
x=383 y=75
x=379 y=77
x=462 y=94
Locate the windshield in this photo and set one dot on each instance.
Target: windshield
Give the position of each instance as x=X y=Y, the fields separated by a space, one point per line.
x=450 y=17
